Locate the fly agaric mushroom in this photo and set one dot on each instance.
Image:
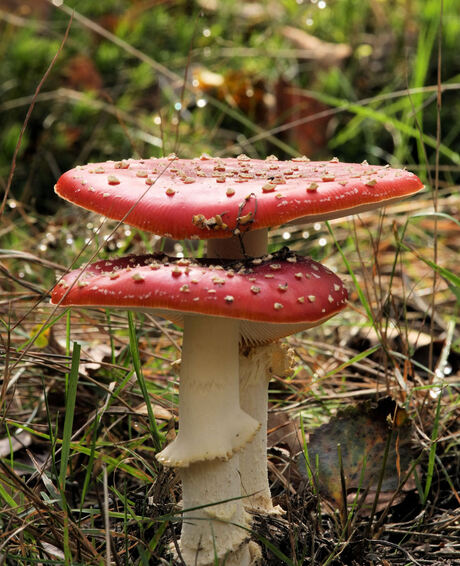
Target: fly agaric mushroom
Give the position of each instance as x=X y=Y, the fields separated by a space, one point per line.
x=231 y=203
x=215 y=199
x=219 y=306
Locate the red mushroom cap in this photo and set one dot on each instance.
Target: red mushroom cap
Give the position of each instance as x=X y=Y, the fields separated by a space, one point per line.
x=211 y=197
x=274 y=296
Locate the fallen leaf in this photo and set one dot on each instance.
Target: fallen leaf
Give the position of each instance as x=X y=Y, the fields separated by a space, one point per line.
x=360 y=434
x=15 y=443
x=308 y=118
x=40 y=336
x=81 y=74
x=159 y=412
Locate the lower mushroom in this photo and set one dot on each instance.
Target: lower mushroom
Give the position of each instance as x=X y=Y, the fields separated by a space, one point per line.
x=218 y=308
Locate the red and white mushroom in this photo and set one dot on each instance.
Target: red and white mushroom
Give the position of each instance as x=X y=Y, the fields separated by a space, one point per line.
x=231 y=202
x=216 y=199
x=219 y=305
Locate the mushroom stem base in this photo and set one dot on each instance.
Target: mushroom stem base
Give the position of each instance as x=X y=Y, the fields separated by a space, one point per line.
x=212 y=427
x=215 y=524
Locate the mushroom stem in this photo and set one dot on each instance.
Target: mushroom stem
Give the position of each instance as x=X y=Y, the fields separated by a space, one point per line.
x=214 y=531
x=211 y=423
x=255 y=244
x=257 y=366
x=254 y=378
x=212 y=427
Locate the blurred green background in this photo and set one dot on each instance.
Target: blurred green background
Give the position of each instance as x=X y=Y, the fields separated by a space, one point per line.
x=150 y=77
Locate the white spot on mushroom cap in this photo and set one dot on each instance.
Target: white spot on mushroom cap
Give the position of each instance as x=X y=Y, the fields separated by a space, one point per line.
x=268 y=187
x=138 y=277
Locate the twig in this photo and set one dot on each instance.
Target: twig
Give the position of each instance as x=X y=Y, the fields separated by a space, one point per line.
x=397 y=547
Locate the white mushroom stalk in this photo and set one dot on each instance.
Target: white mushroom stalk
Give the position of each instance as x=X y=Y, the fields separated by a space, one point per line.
x=246 y=244
x=212 y=427
x=257 y=366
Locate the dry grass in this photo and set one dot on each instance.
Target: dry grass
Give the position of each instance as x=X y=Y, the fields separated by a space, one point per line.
x=79 y=483
x=115 y=491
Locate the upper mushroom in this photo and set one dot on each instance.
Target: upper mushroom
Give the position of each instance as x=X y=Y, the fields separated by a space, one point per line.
x=216 y=198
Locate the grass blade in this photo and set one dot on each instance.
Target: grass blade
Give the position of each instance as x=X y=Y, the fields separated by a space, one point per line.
x=432 y=454
x=69 y=414
x=361 y=295
x=141 y=381
x=383 y=118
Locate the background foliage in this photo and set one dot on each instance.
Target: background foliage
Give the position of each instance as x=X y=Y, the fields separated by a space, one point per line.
x=104 y=101
x=373 y=80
